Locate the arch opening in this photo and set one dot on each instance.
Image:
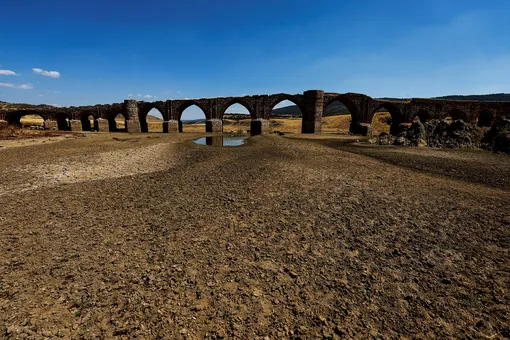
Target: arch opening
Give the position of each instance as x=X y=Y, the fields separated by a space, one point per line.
x=237 y=119
x=117 y=123
x=485 y=119
x=152 y=122
x=336 y=118
x=285 y=116
x=382 y=120
x=88 y=122
x=424 y=116
x=63 y=122
x=192 y=119
x=387 y=118
x=456 y=114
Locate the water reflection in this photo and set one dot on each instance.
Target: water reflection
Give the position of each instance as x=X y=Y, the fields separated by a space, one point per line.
x=220 y=141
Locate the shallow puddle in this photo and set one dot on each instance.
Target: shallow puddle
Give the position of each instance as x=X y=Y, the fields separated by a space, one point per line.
x=220 y=141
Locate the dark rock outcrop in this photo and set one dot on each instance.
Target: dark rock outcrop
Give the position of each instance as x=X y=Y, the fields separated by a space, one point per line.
x=497 y=138
x=451 y=134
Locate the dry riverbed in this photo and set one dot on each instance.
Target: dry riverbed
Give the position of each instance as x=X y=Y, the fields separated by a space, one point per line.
x=151 y=236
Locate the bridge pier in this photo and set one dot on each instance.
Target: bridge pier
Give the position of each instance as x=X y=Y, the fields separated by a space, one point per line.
x=131 y=114
x=133 y=125
x=214 y=125
x=314 y=107
x=101 y=125
x=75 y=125
x=171 y=126
x=260 y=126
x=50 y=124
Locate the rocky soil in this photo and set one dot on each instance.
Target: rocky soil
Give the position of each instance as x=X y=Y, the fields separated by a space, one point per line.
x=150 y=236
x=452 y=134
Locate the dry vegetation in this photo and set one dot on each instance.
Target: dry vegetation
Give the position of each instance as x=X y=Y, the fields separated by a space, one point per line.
x=331 y=124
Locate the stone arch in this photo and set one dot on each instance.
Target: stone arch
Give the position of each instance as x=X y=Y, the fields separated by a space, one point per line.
x=270 y=122
x=423 y=115
x=143 y=112
x=112 y=123
x=185 y=106
x=63 y=119
x=349 y=104
x=456 y=114
x=238 y=101
x=238 y=125
x=336 y=116
x=380 y=122
x=396 y=115
x=485 y=118
x=277 y=99
x=85 y=121
x=14 y=117
x=188 y=104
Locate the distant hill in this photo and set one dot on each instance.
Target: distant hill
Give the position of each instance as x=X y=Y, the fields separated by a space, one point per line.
x=337 y=108
x=153 y=118
x=194 y=121
x=496 y=97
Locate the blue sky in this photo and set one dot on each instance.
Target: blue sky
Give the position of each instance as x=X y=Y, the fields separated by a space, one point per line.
x=104 y=51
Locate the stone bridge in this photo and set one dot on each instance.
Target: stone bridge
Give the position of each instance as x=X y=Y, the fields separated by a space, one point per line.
x=311 y=103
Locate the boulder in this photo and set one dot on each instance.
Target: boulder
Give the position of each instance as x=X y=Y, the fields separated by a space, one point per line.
x=497 y=138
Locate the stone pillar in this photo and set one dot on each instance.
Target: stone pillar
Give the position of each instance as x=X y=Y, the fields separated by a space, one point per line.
x=131 y=114
x=260 y=126
x=101 y=125
x=214 y=125
x=50 y=124
x=75 y=125
x=171 y=126
x=133 y=126
x=313 y=106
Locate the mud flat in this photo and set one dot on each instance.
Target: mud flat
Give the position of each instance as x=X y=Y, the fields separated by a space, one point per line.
x=151 y=236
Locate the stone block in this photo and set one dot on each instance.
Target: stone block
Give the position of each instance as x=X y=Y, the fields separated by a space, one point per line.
x=133 y=126
x=50 y=125
x=311 y=126
x=171 y=126
x=101 y=125
x=75 y=125
x=214 y=125
x=260 y=126
x=357 y=128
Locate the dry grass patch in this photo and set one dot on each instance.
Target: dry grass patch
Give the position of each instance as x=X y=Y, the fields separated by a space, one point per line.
x=32 y=120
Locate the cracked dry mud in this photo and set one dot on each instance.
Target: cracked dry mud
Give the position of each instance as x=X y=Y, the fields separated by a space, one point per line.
x=297 y=238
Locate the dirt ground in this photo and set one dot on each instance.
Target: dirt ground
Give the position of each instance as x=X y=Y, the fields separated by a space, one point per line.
x=150 y=236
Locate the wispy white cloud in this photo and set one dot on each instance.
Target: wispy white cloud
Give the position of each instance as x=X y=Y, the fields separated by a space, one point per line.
x=8 y=73
x=41 y=95
x=21 y=87
x=139 y=95
x=51 y=74
x=149 y=96
x=26 y=87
